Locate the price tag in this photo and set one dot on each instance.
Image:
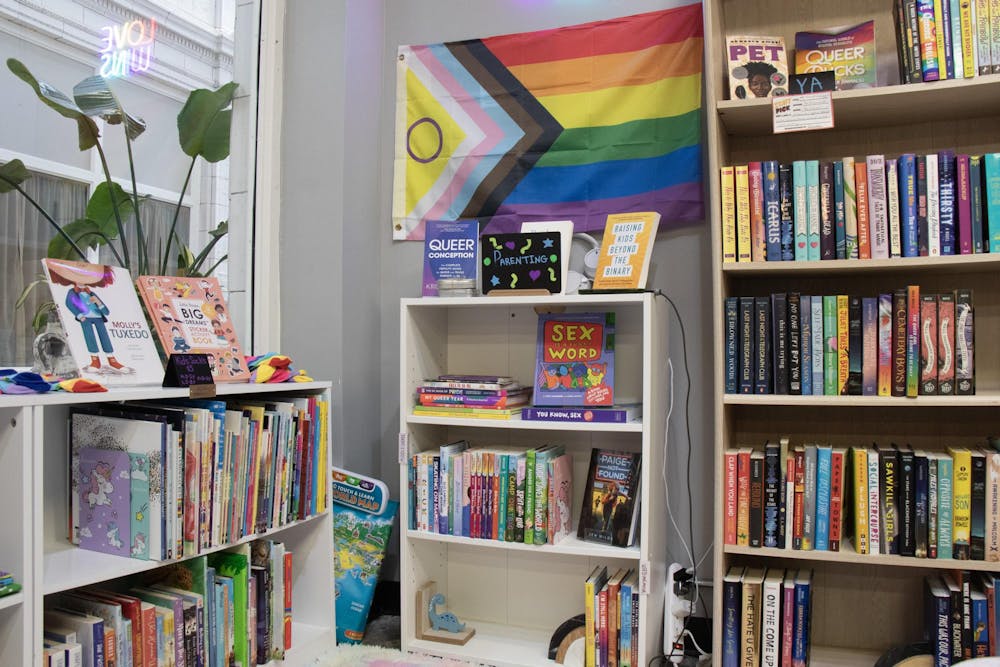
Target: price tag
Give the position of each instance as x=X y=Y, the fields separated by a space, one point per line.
x=799 y=113
x=190 y=370
x=404 y=447
x=644 y=577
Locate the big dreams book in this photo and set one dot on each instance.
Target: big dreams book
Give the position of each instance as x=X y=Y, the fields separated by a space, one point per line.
x=575 y=361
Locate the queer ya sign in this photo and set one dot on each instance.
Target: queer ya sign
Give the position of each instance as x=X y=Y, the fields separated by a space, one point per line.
x=127 y=49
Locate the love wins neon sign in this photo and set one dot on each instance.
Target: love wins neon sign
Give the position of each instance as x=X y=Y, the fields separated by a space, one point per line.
x=127 y=49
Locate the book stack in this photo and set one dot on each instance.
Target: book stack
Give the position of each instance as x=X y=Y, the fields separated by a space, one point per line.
x=472 y=397
x=873 y=207
x=767 y=615
x=960 y=615
x=943 y=39
x=611 y=618
x=511 y=495
x=230 y=607
x=886 y=499
x=900 y=343
x=166 y=481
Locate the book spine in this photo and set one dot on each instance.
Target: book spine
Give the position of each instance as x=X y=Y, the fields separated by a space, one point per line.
x=946 y=507
x=992 y=506
x=976 y=202
x=770 y=631
x=929 y=62
x=946 y=201
x=913 y=37
x=946 y=344
x=899 y=343
x=854 y=346
x=888 y=493
x=758 y=236
x=821 y=540
x=941 y=635
x=907 y=502
x=830 y=345
x=762 y=313
x=541 y=499
x=967 y=32
x=816 y=304
x=786 y=212
x=892 y=207
x=743 y=498
x=772 y=495
x=912 y=339
x=750 y=627
x=942 y=14
x=812 y=208
x=869 y=333
x=967 y=640
x=878 y=221
x=859 y=460
x=850 y=209
x=787 y=619
x=743 y=237
x=843 y=343
x=864 y=221
x=983 y=62
x=800 y=210
x=991 y=186
x=798 y=512
x=803 y=606
x=756 y=499
x=977 y=508
x=772 y=210
x=805 y=342
x=836 y=498
x=980 y=618
x=788 y=503
x=732 y=597
x=794 y=344
x=928 y=344
x=747 y=344
x=954 y=22
x=995 y=35
x=908 y=205
x=779 y=341
x=932 y=506
x=963 y=206
x=828 y=238
x=965 y=353
x=903 y=54
x=962 y=504
x=875 y=528
x=922 y=211
x=933 y=207
x=809 y=501
x=884 y=336
x=729 y=524
x=839 y=213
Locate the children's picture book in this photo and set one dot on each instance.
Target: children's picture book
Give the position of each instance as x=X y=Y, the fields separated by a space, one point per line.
x=105 y=505
x=451 y=251
x=626 y=249
x=758 y=66
x=360 y=540
x=104 y=323
x=848 y=53
x=522 y=261
x=575 y=359
x=610 y=498
x=191 y=316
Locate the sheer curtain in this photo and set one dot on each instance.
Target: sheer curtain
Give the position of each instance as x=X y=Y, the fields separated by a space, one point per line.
x=156 y=217
x=24 y=240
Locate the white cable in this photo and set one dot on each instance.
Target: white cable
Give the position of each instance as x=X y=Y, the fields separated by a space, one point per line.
x=666 y=490
x=695 y=642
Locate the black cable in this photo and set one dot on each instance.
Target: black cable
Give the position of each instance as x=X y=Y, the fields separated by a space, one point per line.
x=687 y=429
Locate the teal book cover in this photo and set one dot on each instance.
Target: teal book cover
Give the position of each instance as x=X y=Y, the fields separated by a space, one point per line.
x=139 y=503
x=359 y=541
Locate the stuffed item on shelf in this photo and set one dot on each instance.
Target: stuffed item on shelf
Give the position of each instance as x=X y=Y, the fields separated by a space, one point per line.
x=272 y=367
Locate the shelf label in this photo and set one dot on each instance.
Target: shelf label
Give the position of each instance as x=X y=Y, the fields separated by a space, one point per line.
x=644 y=577
x=800 y=113
x=404 y=447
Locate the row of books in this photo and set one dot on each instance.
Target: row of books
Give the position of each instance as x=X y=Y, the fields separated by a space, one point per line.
x=902 y=343
x=870 y=208
x=230 y=607
x=483 y=493
x=611 y=618
x=946 y=39
x=471 y=397
x=767 y=615
x=168 y=480
x=960 y=619
x=890 y=499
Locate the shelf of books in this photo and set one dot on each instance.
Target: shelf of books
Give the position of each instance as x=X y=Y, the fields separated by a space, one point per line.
x=855 y=306
x=140 y=507
x=495 y=500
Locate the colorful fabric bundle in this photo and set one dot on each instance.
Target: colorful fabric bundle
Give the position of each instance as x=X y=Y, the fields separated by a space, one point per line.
x=272 y=368
x=13 y=381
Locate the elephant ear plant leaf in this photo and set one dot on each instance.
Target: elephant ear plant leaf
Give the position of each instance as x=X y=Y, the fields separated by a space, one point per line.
x=60 y=102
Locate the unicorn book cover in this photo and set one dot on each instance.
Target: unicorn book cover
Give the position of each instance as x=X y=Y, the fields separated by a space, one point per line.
x=575 y=361
x=105 y=493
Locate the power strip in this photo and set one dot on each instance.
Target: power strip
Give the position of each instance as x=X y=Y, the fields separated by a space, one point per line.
x=677 y=607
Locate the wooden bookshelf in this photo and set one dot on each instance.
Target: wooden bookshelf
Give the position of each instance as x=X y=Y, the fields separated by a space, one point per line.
x=863 y=604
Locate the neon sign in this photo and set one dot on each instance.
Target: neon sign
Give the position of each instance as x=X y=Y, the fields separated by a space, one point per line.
x=127 y=49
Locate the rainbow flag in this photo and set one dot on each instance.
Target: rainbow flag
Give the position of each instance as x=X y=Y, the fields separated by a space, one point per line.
x=573 y=124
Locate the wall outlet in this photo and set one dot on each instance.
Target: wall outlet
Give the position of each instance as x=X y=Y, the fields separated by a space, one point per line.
x=677 y=607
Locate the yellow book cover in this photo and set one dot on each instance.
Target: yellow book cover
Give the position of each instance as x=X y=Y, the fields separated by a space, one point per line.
x=742 y=178
x=995 y=35
x=961 y=491
x=843 y=361
x=728 y=215
x=591 y=587
x=939 y=29
x=860 y=481
x=968 y=48
x=626 y=249
x=753 y=579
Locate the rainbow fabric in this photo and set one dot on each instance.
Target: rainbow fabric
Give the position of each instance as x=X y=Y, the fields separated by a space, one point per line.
x=573 y=124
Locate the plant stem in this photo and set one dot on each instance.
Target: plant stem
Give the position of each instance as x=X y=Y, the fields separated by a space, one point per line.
x=52 y=222
x=114 y=205
x=216 y=265
x=203 y=255
x=177 y=212
x=107 y=241
x=141 y=237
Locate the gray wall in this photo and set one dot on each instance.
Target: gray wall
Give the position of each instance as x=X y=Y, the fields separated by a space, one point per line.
x=337 y=191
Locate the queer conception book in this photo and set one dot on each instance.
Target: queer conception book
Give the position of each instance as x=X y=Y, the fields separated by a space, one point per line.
x=610 y=498
x=575 y=360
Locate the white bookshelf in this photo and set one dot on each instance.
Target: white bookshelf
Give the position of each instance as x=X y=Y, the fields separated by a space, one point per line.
x=516 y=595
x=34 y=469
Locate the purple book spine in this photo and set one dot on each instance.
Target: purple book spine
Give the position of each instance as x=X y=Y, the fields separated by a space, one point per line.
x=604 y=415
x=105 y=500
x=869 y=359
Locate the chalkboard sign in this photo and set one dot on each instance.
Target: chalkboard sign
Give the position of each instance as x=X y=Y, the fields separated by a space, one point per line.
x=814 y=82
x=190 y=370
x=521 y=261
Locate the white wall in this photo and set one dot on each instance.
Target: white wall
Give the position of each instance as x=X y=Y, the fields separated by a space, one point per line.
x=340 y=268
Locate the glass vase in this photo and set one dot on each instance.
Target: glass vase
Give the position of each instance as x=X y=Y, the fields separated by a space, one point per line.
x=51 y=351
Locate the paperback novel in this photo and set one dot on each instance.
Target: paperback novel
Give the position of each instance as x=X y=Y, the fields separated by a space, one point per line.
x=451 y=251
x=575 y=361
x=849 y=54
x=610 y=498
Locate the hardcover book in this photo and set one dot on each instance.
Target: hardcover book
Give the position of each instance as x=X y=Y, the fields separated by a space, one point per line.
x=610 y=498
x=626 y=249
x=848 y=53
x=575 y=360
x=105 y=505
x=451 y=251
x=191 y=316
x=104 y=323
x=615 y=414
x=758 y=66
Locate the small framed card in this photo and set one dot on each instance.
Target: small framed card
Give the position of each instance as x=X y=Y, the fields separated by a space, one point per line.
x=521 y=262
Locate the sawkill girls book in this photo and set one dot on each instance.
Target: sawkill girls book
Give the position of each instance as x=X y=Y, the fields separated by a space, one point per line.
x=575 y=360
x=610 y=499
